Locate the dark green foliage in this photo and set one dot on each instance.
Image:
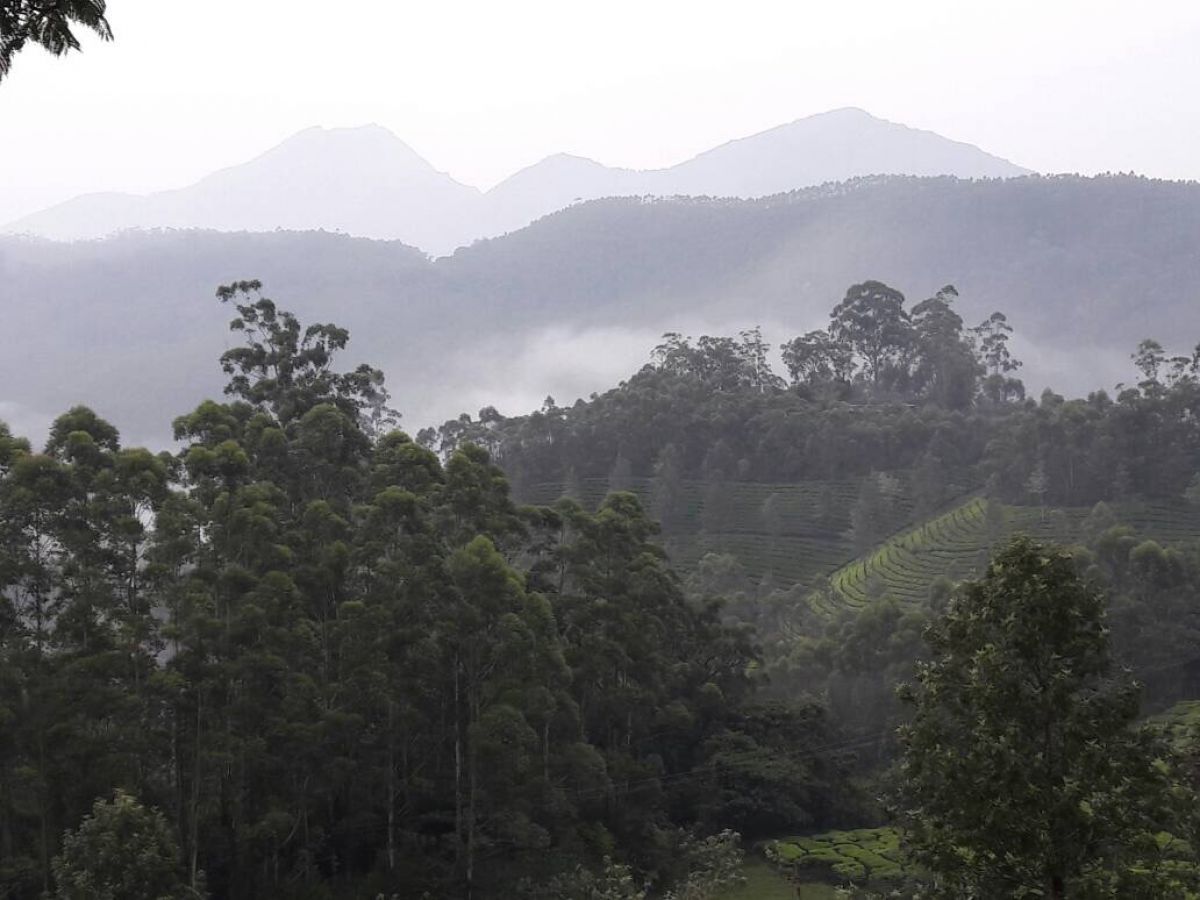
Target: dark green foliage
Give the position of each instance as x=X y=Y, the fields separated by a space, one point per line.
x=724 y=364
x=767 y=770
x=713 y=409
x=1023 y=772
x=122 y=851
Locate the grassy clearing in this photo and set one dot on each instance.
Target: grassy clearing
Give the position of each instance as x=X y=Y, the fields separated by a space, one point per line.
x=766 y=882
x=815 y=890
x=763 y=882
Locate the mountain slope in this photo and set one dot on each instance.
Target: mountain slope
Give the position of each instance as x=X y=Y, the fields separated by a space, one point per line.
x=830 y=147
x=550 y=185
x=367 y=182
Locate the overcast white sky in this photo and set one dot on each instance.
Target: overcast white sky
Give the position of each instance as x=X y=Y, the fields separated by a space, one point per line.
x=482 y=88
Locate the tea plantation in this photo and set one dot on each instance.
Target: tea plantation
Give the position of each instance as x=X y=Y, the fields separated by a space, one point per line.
x=865 y=857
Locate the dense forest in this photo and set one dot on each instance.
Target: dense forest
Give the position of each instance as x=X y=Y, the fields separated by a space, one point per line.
x=305 y=655
x=337 y=663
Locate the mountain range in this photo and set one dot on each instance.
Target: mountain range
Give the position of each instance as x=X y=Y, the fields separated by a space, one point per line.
x=367 y=182
x=1084 y=268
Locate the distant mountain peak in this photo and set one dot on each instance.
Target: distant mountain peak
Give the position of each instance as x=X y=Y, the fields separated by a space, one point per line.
x=368 y=129
x=366 y=181
x=848 y=112
x=371 y=142
x=571 y=159
x=832 y=146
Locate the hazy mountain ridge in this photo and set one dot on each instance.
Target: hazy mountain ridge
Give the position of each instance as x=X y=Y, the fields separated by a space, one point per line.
x=367 y=182
x=1084 y=267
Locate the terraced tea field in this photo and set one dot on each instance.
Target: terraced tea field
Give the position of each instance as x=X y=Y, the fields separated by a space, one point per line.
x=956 y=545
x=865 y=857
x=952 y=545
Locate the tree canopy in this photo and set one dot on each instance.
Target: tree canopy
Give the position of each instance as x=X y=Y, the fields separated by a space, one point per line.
x=121 y=851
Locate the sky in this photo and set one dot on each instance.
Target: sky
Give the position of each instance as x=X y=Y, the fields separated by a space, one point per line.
x=481 y=89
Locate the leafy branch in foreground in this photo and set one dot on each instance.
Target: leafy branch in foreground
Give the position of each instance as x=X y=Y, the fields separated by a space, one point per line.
x=48 y=23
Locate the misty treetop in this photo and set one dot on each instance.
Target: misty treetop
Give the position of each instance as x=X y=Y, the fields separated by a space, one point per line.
x=873 y=349
x=913 y=372
x=882 y=389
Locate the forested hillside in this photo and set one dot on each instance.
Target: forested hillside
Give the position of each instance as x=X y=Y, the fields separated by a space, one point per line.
x=326 y=662
x=839 y=505
x=315 y=657
x=570 y=305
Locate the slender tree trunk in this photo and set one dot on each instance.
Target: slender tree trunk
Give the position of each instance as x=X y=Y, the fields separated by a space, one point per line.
x=6 y=836
x=307 y=838
x=473 y=708
x=194 y=805
x=181 y=806
x=391 y=788
x=458 y=770
x=43 y=817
